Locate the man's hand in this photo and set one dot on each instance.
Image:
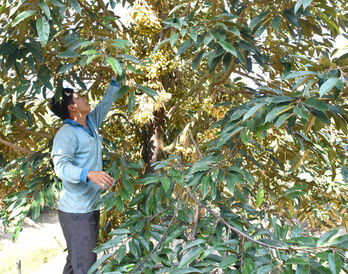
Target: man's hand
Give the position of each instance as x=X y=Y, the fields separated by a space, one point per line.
x=101 y=178
x=114 y=76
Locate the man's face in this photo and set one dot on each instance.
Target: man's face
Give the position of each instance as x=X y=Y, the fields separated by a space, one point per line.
x=81 y=104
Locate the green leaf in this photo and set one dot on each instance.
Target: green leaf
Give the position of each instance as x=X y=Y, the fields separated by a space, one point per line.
x=113 y=242
x=124 y=194
x=144 y=243
x=122 y=91
x=229 y=260
x=208 y=38
x=57 y=3
x=326 y=237
x=43 y=30
x=235 y=31
x=257 y=19
x=301 y=111
x=116 y=66
x=19 y=112
x=175 y=8
x=345 y=173
x=165 y=182
x=327 y=86
x=192 y=244
x=184 y=47
x=119 y=204
x=253 y=110
x=68 y=54
x=130 y=58
x=335 y=263
x=120 y=43
x=102 y=259
x=149 y=91
x=193 y=34
x=205 y=183
x=65 y=68
x=296 y=260
x=316 y=104
x=173 y=38
x=228 y=47
x=185 y=270
x=297 y=6
x=22 y=16
x=131 y=101
x=276 y=21
x=76 y=6
x=121 y=253
x=197 y=60
x=298 y=74
x=190 y=256
x=302 y=269
x=89 y=52
x=35 y=210
x=341 y=241
x=160 y=44
x=282 y=119
x=45 y=76
x=275 y=112
x=44 y=7
x=230 y=180
x=126 y=183
x=260 y=195
x=306 y=3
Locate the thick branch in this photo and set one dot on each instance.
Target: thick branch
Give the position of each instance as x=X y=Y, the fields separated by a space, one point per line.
x=11 y=145
x=227 y=74
x=196 y=145
x=32 y=132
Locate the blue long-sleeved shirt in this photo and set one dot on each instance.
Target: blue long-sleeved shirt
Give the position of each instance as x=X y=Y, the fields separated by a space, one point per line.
x=76 y=151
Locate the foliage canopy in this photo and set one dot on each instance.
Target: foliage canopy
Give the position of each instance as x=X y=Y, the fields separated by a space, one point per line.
x=228 y=142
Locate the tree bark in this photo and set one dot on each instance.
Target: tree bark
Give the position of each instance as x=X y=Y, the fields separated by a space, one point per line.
x=153 y=134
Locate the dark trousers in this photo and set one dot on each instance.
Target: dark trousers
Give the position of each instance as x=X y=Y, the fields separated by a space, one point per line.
x=80 y=232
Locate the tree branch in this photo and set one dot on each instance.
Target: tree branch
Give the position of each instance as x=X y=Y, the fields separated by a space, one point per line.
x=189 y=94
x=165 y=234
x=33 y=132
x=11 y=145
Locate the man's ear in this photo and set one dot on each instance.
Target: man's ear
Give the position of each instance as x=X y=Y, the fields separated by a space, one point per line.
x=71 y=107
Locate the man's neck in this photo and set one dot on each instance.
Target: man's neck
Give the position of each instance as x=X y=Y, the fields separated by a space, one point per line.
x=81 y=119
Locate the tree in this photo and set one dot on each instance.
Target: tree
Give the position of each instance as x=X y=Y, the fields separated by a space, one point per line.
x=213 y=172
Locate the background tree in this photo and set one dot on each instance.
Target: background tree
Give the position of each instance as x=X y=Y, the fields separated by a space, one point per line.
x=213 y=171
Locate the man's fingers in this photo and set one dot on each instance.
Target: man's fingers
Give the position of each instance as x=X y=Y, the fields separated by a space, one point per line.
x=108 y=179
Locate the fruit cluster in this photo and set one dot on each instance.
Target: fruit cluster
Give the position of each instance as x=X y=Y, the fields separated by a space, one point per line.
x=147 y=23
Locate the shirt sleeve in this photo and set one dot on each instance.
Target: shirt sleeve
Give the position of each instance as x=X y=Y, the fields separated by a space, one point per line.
x=98 y=114
x=64 y=146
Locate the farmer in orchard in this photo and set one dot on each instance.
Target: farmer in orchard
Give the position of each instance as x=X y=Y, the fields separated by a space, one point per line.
x=77 y=160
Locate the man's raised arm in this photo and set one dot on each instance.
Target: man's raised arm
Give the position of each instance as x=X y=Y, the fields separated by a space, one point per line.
x=98 y=114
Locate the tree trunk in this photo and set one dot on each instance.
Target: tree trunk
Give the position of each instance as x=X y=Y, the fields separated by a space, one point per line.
x=153 y=134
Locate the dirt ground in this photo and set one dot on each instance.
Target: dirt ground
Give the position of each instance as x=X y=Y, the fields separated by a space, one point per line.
x=40 y=247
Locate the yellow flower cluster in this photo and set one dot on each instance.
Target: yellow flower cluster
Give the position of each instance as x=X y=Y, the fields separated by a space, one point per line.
x=147 y=23
x=146 y=106
x=207 y=135
x=162 y=62
x=216 y=112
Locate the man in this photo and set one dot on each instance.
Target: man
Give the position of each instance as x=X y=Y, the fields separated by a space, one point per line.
x=77 y=160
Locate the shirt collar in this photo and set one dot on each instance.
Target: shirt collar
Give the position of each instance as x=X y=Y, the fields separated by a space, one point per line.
x=76 y=124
